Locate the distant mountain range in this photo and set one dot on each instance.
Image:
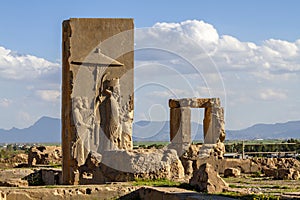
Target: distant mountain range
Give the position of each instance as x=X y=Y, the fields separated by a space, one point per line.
x=159 y=131
x=48 y=130
x=286 y=130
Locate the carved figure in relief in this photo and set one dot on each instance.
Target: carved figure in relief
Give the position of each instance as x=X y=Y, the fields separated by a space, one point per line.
x=84 y=127
x=107 y=110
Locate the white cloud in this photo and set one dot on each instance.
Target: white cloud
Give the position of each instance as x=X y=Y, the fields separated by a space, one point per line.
x=4 y=102
x=285 y=48
x=30 y=88
x=199 y=43
x=187 y=59
x=270 y=94
x=171 y=92
x=222 y=66
x=49 y=95
x=23 y=67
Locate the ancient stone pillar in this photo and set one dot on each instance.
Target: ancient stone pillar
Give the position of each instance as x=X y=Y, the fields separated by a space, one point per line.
x=97 y=89
x=213 y=123
x=180 y=129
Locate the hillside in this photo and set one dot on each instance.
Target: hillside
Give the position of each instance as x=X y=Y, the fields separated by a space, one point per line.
x=47 y=129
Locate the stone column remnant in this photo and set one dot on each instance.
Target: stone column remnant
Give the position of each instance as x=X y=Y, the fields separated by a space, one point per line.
x=180 y=128
x=97 y=89
x=213 y=123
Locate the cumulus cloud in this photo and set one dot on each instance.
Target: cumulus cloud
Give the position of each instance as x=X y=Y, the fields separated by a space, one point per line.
x=48 y=95
x=30 y=88
x=270 y=94
x=208 y=64
x=172 y=92
x=200 y=43
x=23 y=67
x=185 y=59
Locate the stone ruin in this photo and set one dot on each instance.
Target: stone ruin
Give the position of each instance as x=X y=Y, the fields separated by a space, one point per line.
x=97 y=89
x=213 y=125
x=97 y=109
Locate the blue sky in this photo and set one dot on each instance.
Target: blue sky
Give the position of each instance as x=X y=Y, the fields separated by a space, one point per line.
x=31 y=33
x=34 y=27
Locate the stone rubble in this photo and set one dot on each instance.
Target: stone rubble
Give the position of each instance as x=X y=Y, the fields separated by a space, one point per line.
x=129 y=165
x=232 y=172
x=206 y=179
x=44 y=155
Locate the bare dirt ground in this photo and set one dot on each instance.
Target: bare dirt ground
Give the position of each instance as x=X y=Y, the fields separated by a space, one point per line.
x=243 y=187
x=247 y=186
x=282 y=189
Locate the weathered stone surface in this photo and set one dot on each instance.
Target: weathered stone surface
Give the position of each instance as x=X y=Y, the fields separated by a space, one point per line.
x=213 y=125
x=180 y=125
x=104 y=192
x=18 y=195
x=18 y=158
x=270 y=172
x=13 y=177
x=193 y=151
x=278 y=163
x=44 y=155
x=101 y=192
x=296 y=175
x=97 y=90
x=13 y=183
x=219 y=149
x=188 y=166
x=163 y=193
x=245 y=166
x=180 y=129
x=51 y=176
x=194 y=102
x=206 y=179
x=232 y=172
x=282 y=173
x=128 y=165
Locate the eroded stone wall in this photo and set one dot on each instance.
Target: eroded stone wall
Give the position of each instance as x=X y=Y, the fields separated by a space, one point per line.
x=97 y=89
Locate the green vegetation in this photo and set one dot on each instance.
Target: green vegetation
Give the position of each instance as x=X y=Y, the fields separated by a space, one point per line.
x=275 y=187
x=8 y=153
x=55 y=165
x=149 y=144
x=236 y=146
x=157 y=183
x=250 y=196
x=291 y=145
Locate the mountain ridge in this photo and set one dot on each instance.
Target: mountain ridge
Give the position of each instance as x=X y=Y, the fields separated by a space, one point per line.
x=48 y=130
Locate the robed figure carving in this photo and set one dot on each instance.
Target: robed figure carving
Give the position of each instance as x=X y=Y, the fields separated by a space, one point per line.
x=107 y=108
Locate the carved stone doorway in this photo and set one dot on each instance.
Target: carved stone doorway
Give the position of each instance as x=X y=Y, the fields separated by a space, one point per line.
x=180 y=122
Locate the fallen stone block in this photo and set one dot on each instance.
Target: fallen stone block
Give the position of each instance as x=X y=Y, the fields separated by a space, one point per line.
x=207 y=179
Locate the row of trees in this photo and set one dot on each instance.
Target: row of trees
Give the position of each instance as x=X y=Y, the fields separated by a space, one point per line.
x=285 y=146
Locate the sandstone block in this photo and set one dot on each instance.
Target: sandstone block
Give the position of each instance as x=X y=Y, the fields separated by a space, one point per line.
x=44 y=155
x=97 y=89
x=128 y=165
x=207 y=179
x=232 y=172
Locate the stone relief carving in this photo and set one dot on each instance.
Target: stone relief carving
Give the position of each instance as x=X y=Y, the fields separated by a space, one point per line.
x=107 y=110
x=83 y=120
